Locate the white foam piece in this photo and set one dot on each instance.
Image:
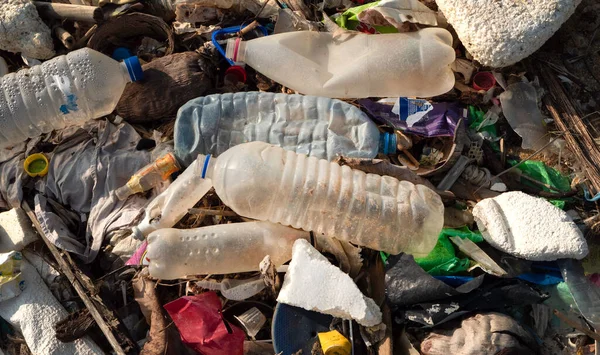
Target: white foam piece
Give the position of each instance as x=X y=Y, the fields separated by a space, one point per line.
x=35 y=311
x=529 y=227
x=16 y=230
x=499 y=33
x=313 y=283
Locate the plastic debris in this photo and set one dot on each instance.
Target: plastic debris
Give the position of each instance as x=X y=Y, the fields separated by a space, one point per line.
x=440 y=121
x=104 y=79
x=266 y=167
x=314 y=284
x=520 y=107
x=233 y=289
x=322 y=68
x=252 y=321
x=218 y=249
x=316 y=126
x=529 y=227
x=475 y=253
x=149 y=176
x=442 y=260
x=485 y=333
x=397 y=12
x=201 y=325
x=11 y=283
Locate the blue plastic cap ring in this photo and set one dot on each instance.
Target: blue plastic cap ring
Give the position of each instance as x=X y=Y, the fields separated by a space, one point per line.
x=136 y=73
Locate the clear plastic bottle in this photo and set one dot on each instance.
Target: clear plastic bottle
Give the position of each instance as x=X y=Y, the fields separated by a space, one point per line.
x=218 y=249
x=264 y=182
x=316 y=126
x=64 y=91
x=166 y=209
x=353 y=65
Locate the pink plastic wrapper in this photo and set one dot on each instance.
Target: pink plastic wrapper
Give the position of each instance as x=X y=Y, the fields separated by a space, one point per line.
x=201 y=326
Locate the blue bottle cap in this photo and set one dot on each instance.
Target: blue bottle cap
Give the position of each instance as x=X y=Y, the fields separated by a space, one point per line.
x=387 y=143
x=121 y=53
x=136 y=73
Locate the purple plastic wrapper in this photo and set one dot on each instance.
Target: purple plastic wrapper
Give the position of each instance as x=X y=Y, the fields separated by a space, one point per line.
x=439 y=122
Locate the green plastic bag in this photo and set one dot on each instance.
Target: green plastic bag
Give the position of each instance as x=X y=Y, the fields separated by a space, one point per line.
x=442 y=260
x=543 y=173
x=349 y=20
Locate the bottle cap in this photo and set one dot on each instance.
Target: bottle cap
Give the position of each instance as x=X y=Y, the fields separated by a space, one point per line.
x=121 y=53
x=334 y=343
x=387 y=143
x=36 y=165
x=238 y=71
x=136 y=73
x=484 y=80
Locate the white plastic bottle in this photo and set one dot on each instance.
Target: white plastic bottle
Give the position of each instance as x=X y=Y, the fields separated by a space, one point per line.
x=264 y=182
x=64 y=91
x=353 y=65
x=316 y=126
x=218 y=249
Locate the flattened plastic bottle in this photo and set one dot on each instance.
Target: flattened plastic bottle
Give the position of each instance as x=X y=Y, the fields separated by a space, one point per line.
x=65 y=91
x=264 y=182
x=316 y=126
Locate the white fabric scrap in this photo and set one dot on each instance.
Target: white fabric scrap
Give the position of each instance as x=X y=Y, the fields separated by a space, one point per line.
x=529 y=227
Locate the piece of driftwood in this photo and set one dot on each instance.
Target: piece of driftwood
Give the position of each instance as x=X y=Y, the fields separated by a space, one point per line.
x=568 y=119
x=71 y=12
x=377 y=277
x=65 y=37
x=576 y=325
x=75 y=326
x=169 y=82
x=109 y=324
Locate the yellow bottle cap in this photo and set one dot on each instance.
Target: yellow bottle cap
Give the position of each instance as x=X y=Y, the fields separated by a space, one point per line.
x=36 y=165
x=334 y=343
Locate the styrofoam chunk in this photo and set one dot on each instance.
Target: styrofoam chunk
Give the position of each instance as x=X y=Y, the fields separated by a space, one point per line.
x=499 y=33
x=16 y=230
x=529 y=227
x=313 y=283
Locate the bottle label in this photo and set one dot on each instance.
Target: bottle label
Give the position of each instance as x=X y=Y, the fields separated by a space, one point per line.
x=64 y=85
x=413 y=110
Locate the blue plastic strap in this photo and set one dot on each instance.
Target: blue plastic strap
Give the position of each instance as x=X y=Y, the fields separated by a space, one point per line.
x=588 y=197
x=205 y=167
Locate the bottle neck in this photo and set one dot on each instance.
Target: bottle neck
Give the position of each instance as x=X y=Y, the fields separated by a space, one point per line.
x=387 y=143
x=236 y=50
x=206 y=166
x=125 y=72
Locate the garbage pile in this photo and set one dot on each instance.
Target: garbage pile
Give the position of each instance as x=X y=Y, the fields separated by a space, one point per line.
x=299 y=177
